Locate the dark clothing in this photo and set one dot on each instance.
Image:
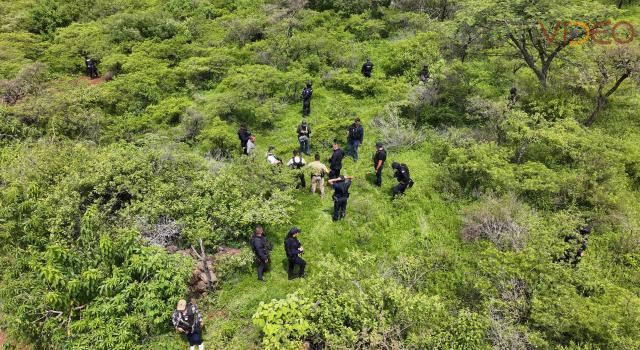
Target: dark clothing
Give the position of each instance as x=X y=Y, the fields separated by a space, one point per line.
x=367 y=68
x=380 y=155
x=304 y=132
x=339 y=208
x=292 y=265
x=306 y=101
x=292 y=250
x=194 y=338
x=340 y=197
x=92 y=69
x=243 y=135
x=335 y=163
x=404 y=179
x=356 y=132
x=190 y=322
x=424 y=75
x=261 y=248
x=578 y=245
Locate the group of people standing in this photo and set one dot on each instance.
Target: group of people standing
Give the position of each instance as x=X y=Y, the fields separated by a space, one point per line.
x=186 y=318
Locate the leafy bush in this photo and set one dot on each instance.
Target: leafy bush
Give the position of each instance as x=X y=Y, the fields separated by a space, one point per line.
x=283 y=321
x=396 y=132
x=28 y=81
x=503 y=221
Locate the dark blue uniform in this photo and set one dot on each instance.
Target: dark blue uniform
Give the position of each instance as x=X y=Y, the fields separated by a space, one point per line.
x=340 y=197
x=292 y=249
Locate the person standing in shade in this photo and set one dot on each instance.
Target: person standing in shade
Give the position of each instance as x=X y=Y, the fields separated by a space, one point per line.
x=187 y=320
x=304 y=134
x=92 y=68
x=318 y=172
x=355 y=136
x=293 y=248
x=262 y=249
x=340 y=196
x=251 y=145
x=307 y=92
x=335 y=162
x=378 y=162
x=367 y=68
x=296 y=163
x=424 y=74
x=243 y=135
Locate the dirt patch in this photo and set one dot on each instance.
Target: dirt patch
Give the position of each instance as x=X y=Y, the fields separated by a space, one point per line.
x=93 y=82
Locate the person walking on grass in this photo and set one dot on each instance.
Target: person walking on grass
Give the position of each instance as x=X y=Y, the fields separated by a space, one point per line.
x=296 y=163
x=293 y=249
x=262 y=249
x=307 y=92
x=304 y=134
x=355 y=136
x=318 y=172
x=335 y=162
x=340 y=196
x=187 y=320
x=378 y=162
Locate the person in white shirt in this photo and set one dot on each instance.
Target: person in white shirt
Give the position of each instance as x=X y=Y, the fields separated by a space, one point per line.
x=271 y=157
x=251 y=145
x=296 y=163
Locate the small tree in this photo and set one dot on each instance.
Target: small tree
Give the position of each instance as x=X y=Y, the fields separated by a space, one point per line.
x=614 y=66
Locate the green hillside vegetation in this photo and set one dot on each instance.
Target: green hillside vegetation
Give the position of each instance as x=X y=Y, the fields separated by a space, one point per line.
x=474 y=256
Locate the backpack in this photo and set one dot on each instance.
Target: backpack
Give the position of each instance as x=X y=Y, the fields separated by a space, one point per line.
x=405 y=168
x=297 y=165
x=306 y=93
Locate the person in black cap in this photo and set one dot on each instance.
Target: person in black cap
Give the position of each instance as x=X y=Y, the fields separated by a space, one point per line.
x=293 y=249
x=340 y=196
x=401 y=172
x=335 y=162
x=261 y=248
x=367 y=68
x=378 y=162
x=306 y=100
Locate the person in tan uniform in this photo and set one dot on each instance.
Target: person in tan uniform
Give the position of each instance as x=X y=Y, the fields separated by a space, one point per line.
x=318 y=172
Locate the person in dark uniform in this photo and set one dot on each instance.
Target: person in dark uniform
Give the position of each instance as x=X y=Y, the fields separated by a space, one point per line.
x=243 y=135
x=304 y=134
x=187 y=320
x=340 y=196
x=578 y=245
x=424 y=74
x=92 y=68
x=355 y=136
x=306 y=100
x=293 y=249
x=401 y=172
x=262 y=249
x=513 y=97
x=335 y=162
x=367 y=68
x=378 y=162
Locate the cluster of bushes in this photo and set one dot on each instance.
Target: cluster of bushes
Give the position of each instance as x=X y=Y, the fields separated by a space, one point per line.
x=81 y=268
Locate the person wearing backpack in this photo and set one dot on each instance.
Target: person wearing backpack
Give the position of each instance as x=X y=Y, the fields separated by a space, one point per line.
x=306 y=100
x=187 y=320
x=355 y=136
x=367 y=68
x=403 y=176
x=340 y=187
x=293 y=249
x=296 y=163
x=262 y=249
x=304 y=134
